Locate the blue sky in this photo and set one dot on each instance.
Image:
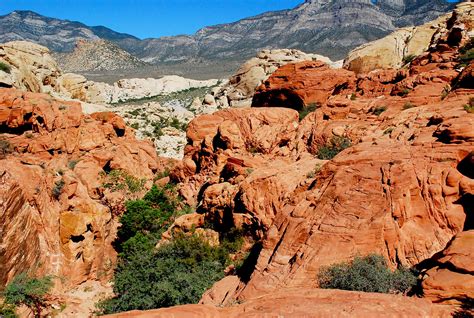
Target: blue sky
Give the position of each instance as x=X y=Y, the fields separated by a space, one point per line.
x=149 y=18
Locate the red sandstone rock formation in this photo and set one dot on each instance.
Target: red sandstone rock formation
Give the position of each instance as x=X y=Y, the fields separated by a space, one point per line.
x=403 y=190
x=297 y=85
x=55 y=215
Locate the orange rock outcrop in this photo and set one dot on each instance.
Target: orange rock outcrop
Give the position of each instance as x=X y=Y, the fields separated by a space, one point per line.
x=307 y=303
x=403 y=189
x=56 y=217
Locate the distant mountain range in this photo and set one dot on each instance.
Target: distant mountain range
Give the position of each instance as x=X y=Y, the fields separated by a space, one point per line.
x=330 y=28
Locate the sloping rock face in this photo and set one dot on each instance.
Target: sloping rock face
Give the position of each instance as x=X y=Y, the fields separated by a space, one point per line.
x=307 y=303
x=452 y=278
x=56 y=216
x=31 y=67
x=393 y=50
x=403 y=189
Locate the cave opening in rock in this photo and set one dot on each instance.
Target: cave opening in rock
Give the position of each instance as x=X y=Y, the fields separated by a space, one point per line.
x=107 y=168
x=77 y=238
x=120 y=132
x=279 y=98
x=218 y=143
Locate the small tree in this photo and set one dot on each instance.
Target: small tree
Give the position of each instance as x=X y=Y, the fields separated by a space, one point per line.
x=28 y=291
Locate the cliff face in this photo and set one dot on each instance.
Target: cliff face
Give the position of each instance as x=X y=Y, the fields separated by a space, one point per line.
x=56 y=215
x=330 y=28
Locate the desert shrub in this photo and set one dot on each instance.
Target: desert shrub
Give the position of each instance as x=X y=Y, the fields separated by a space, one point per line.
x=7 y=311
x=408 y=106
x=314 y=172
x=28 y=291
x=467 y=53
x=149 y=216
x=135 y=125
x=307 y=110
x=72 y=164
x=157 y=132
x=117 y=180
x=175 y=123
x=334 y=146
x=5 y=148
x=135 y=112
x=163 y=174
x=405 y=92
x=445 y=92
x=367 y=274
x=353 y=96
x=58 y=188
x=409 y=58
x=5 y=67
x=469 y=107
x=378 y=110
x=176 y=273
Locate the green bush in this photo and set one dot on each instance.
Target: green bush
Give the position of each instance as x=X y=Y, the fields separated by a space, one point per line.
x=5 y=67
x=378 y=110
x=58 y=189
x=467 y=53
x=72 y=164
x=308 y=109
x=333 y=147
x=469 y=107
x=5 y=148
x=175 y=123
x=7 y=311
x=28 y=291
x=157 y=132
x=177 y=273
x=120 y=180
x=405 y=92
x=149 y=216
x=367 y=274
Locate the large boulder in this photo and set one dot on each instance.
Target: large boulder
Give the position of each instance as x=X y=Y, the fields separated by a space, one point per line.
x=299 y=85
x=452 y=279
x=30 y=67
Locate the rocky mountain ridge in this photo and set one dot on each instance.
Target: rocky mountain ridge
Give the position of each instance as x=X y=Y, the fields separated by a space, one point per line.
x=328 y=28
